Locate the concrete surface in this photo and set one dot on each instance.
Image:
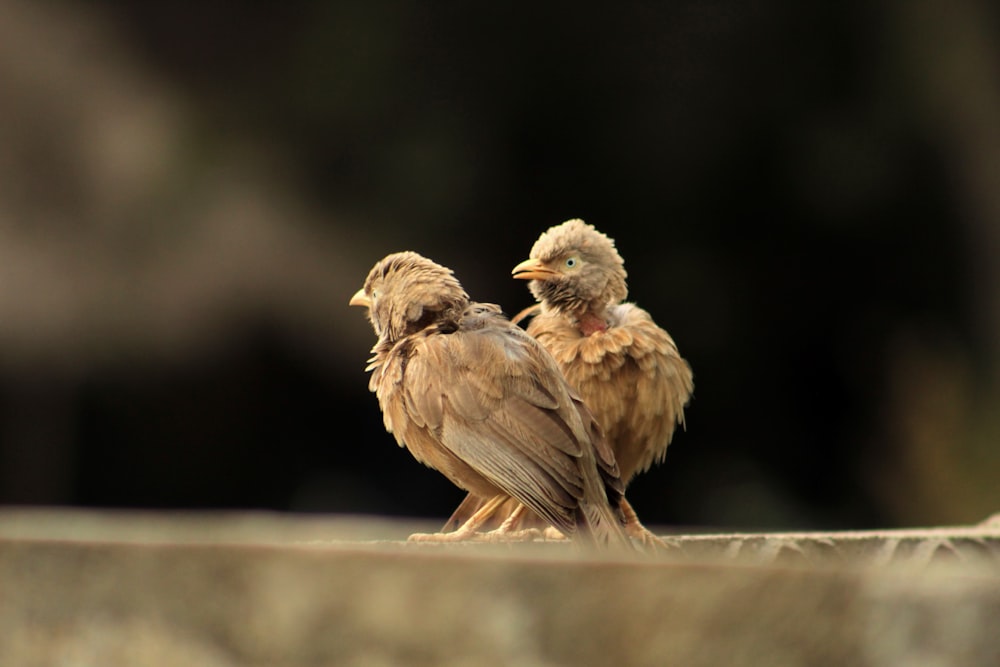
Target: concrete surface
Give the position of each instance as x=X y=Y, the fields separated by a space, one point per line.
x=98 y=588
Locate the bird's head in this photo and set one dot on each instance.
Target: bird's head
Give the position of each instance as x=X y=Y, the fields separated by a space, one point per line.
x=406 y=292
x=573 y=267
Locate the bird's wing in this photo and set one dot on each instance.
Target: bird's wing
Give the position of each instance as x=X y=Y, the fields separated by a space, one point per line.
x=607 y=464
x=497 y=401
x=669 y=377
x=530 y=311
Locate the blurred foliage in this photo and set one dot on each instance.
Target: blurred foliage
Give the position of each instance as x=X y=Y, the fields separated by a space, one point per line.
x=806 y=196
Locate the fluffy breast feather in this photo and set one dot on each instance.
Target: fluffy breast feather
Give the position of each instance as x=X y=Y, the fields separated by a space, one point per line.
x=631 y=376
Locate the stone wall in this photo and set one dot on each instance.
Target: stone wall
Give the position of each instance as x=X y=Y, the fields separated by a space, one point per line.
x=92 y=588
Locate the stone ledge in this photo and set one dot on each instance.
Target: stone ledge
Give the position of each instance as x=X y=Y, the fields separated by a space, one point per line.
x=962 y=544
x=91 y=588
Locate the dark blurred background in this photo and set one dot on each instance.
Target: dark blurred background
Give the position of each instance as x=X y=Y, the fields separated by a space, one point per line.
x=807 y=196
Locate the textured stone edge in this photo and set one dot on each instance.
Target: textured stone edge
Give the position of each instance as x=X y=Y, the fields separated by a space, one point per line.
x=224 y=589
x=977 y=545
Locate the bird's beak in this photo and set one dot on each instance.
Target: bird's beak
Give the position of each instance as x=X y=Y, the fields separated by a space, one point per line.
x=361 y=299
x=532 y=269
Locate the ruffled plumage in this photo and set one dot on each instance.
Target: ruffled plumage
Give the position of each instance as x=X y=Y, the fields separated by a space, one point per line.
x=475 y=397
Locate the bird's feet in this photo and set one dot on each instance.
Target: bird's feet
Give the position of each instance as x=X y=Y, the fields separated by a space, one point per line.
x=454 y=536
x=551 y=533
x=494 y=536
x=648 y=540
x=522 y=535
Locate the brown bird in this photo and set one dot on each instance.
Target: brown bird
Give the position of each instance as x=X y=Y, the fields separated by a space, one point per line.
x=473 y=396
x=626 y=368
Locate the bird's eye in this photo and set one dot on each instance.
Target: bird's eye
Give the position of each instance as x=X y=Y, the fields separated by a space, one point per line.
x=374 y=293
x=571 y=262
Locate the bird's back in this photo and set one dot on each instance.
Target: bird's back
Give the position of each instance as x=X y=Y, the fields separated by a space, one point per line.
x=485 y=404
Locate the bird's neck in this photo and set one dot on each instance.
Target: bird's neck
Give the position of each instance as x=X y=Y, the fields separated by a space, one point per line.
x=588 y=317
x=591 y=322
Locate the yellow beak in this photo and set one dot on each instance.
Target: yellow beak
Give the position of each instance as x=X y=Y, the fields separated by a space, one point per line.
x=360 y=299
x=532 y=269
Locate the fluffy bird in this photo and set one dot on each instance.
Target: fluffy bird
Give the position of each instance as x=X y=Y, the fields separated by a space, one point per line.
x=627 y=369
x=473 y=396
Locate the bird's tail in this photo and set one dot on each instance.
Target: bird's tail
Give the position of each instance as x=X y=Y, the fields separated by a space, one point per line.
x=603 y=526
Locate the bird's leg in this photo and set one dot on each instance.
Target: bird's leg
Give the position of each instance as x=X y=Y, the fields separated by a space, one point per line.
x=467 y=530
x=512 y=520
x=469 y=505
x=637 y=531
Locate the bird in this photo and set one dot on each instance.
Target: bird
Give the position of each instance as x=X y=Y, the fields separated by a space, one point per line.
x=473 y=396
x=627 y=369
